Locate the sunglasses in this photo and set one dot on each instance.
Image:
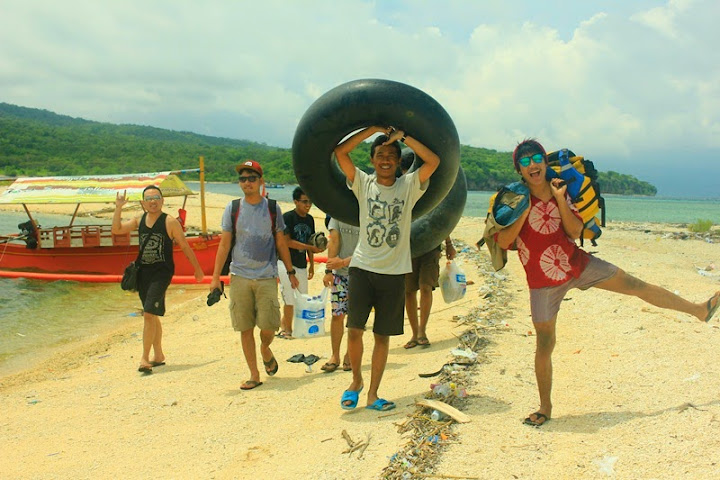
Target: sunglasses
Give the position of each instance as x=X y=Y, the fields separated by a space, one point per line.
x=153 y=197
x=249 y=178
x=537 y=158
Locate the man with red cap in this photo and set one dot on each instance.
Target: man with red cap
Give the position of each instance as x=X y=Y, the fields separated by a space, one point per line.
x=258 y=240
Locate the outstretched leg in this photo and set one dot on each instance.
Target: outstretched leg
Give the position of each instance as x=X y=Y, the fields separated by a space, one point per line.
x=626 y=284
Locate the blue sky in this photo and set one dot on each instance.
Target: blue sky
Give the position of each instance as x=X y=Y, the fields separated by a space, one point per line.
x=632 y=85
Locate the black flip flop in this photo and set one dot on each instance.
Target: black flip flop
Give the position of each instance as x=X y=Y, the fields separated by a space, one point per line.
x=270 y=362
x=536 y=423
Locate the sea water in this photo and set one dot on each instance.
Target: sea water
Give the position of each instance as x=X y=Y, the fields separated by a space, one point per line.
x=37 y=315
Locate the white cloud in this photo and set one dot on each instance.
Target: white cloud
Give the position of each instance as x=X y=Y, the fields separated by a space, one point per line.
x=607 y=81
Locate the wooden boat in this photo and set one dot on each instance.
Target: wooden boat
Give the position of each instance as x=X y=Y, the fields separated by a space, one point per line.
x=92 y=253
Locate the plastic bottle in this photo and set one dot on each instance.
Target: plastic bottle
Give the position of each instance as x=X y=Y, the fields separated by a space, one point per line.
x=437 y=416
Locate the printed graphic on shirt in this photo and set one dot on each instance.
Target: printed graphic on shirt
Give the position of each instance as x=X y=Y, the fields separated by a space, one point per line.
x=544 y=218
x=523 y=251
x=555 y=263
x=154 y=251
x=386 y=217
x=301 y=233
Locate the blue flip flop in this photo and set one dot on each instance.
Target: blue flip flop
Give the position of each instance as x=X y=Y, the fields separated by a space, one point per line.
x=381 y=405
x=350 y=396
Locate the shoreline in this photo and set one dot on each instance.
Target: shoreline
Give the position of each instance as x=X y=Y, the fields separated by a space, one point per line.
x=625 y=373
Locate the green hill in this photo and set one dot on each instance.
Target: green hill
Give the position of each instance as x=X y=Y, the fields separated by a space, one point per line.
x=37 y=142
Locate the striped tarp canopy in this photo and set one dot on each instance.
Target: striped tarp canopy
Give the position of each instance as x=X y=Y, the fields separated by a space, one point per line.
x=91 y=188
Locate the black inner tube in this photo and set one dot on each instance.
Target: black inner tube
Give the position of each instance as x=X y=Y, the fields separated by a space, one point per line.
x=362 y=103
x=359 y=104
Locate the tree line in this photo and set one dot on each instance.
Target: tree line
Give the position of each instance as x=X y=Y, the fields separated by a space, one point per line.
x=36 y=142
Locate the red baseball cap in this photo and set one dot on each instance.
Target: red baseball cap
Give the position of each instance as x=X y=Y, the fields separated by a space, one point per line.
x=249 y=165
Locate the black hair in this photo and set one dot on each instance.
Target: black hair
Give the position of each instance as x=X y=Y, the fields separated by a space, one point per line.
x=379 y=141
x=151 y=187
x=297 y=193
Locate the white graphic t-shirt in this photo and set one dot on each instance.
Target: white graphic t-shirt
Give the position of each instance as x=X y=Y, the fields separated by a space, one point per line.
x=385 y=219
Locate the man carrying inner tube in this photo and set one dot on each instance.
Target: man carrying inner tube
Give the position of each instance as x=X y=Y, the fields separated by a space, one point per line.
x=382 y=256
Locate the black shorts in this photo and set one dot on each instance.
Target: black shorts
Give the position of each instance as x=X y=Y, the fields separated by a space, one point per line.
x=152 y=284
x=385 y=293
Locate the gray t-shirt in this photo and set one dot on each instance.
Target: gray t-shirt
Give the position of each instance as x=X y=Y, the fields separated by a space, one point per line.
x=385 y=219
x=254 y=256
x=349 y=235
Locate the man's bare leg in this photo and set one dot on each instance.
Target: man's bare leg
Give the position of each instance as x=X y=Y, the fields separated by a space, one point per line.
x=411 y=308
x=149 y=330
x=545 y=344
x=426 y=301
x=158 y=355
x=247 y=340
x=379 y=360
x=286 y=323
x=626 y=284
x=336 y=334
x=355 y=351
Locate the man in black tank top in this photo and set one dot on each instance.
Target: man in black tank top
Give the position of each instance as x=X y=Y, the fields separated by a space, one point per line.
x=157 y=231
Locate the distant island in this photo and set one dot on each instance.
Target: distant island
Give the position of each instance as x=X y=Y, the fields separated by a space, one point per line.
x=38 y=142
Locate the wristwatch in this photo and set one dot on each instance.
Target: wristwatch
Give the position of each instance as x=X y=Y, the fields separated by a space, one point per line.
x=327 y=270
x=291 y=272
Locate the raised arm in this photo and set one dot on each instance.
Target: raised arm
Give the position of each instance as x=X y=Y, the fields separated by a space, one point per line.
x=118 y=226
x=342 y=151
x=430 y=160
x=572 y=225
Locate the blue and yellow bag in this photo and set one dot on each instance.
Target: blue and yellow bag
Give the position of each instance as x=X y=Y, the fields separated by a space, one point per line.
x=582 y=186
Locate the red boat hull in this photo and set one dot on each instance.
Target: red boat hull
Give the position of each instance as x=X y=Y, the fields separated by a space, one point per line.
x=106 y=260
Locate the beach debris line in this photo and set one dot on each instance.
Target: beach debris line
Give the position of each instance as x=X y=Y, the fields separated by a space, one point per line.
x=427 y=437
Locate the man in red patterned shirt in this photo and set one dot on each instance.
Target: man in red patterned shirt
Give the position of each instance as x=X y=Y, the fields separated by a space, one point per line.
x=545 y=237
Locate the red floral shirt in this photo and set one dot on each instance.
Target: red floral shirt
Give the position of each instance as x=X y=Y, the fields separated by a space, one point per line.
x=549 y=256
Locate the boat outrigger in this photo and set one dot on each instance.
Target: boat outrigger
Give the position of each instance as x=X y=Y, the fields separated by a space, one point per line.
x=92 y=253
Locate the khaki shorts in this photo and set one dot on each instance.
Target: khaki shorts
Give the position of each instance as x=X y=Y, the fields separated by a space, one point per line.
x=426 y=271
x=254 y=303
x=545 y=302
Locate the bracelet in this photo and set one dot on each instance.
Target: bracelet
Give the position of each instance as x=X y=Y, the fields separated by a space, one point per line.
x=291 y=272
x=327 y=270
x=402 y=139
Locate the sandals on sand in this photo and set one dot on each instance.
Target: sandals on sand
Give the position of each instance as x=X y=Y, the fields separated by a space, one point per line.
x=423 y=342
x=381 y=405
x=411 y=344
x=329 y=367
x=271 y=371
x=347 y=367
x=351 y=396
x=540 y=420
x=711 y=309
x=284 y=335
x=250 y=384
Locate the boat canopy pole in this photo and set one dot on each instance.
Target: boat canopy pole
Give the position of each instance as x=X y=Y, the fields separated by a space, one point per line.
x=202 y=195
x=72 y=220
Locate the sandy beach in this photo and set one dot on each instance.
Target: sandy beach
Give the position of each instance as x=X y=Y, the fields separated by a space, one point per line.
x=636 y=388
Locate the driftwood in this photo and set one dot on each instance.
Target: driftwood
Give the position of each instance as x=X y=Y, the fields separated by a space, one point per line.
x=353 y=446
x=443 y=407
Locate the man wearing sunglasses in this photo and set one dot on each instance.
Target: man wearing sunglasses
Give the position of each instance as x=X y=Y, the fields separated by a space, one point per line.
x=299 y=226
x=253 y=270
x=157 y=232
x=544 y=236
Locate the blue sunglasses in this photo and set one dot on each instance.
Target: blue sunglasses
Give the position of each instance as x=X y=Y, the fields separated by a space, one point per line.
x=537 y=158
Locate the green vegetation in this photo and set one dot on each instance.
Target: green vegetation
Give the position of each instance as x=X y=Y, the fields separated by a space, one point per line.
x=701 y=226
x=38 y=142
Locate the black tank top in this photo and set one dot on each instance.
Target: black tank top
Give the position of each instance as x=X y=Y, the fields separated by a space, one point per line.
x=158 y=251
